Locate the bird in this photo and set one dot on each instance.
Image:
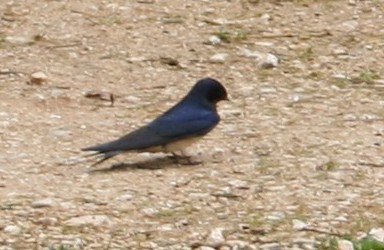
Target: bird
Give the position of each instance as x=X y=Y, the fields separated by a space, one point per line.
x=183 y=124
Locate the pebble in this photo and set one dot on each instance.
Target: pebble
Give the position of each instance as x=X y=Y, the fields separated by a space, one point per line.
x=150 y=211
x=340 y=76
x=124 y=197
x=216 y=237
x=271 y=246
x=132 y=99
x=339 y=51
x=17 y=40
x=238 y=244
x=277 y=215
x=344 y=245
x=219 y=58
x=38 y=78
x=265 y=18
x=95 y=220
x=266 y=60
x=348 y=26
x=239 y=184
x=214 y=40
x=12 y=230
x=205 y=248
x=267 y=90
x=47 y=221
x=298 y=224
x=166 y=227
x=377 y=233
x=42 y=203
x=269 y=61
x=250 y=53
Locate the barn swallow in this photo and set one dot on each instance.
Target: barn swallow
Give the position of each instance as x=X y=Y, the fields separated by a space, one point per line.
x=183 y=124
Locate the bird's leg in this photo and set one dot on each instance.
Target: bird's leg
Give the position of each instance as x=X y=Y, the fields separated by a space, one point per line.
x=184 y=159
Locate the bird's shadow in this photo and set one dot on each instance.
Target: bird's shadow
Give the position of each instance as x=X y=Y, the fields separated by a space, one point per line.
x=150 y=164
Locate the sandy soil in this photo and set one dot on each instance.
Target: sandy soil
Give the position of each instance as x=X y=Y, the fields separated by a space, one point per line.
x=297 y=157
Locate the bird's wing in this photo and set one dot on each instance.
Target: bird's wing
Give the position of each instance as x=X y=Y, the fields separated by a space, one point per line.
x=183 y=125
x=141 y=138
x=165 y=129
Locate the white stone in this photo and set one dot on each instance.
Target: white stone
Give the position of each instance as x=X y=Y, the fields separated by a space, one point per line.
x=38 y=78
x=269 y=61
x=218 y=58
x=344 y=245
x=19 y=40
x=276 y=215
x=95 y=220
x=238 y=244
x=239 y=184
x=42 y=203
x=298 y=224
x=150 y=211
x=125 y=197
x=214 y=40
x=12 y=230
x=377 y=233
x=250 y=53
x=206 y=248
x=216 y=237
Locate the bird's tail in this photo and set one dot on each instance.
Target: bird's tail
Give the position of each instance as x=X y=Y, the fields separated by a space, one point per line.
x=105 y=155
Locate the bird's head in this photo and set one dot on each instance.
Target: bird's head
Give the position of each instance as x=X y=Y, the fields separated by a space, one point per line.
x=210 y=89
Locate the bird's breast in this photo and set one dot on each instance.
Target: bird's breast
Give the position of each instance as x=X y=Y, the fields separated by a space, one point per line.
x=174 y=146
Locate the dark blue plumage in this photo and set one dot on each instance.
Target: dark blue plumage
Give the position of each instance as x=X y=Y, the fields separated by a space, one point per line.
x=194 y=116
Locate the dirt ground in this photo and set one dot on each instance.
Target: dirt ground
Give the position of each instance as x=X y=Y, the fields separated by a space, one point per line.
x=296 y=159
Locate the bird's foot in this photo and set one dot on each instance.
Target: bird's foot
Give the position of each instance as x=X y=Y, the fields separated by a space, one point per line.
x=185 y=160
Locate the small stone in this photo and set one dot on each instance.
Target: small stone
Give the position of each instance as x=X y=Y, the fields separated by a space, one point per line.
x=277 y=215
x=38 y=78
x=344 y=245
x=340 y=51
x=216 y=237
x=266 y=17
x=17 y=40
x=47 y=221
x=271 y=246
x=269 y=61
x=165 y=227
x=238 y=244
x=348 y=26
x=214 y=40
x=132 y=99
x=250 y=54
x=42 y=203
x=377 y=233
x=12 y=230
x=150 y=211
x=124 y=197
x=298 y=224
x=205 y=248
x=218 y=58
x=340 y=76
x=267 y=89
x=94 y=220
x=368 y=47
x=239 y=184
x=229 y=248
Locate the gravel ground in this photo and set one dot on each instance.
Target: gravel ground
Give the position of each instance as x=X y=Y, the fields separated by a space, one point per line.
x=296 y=160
